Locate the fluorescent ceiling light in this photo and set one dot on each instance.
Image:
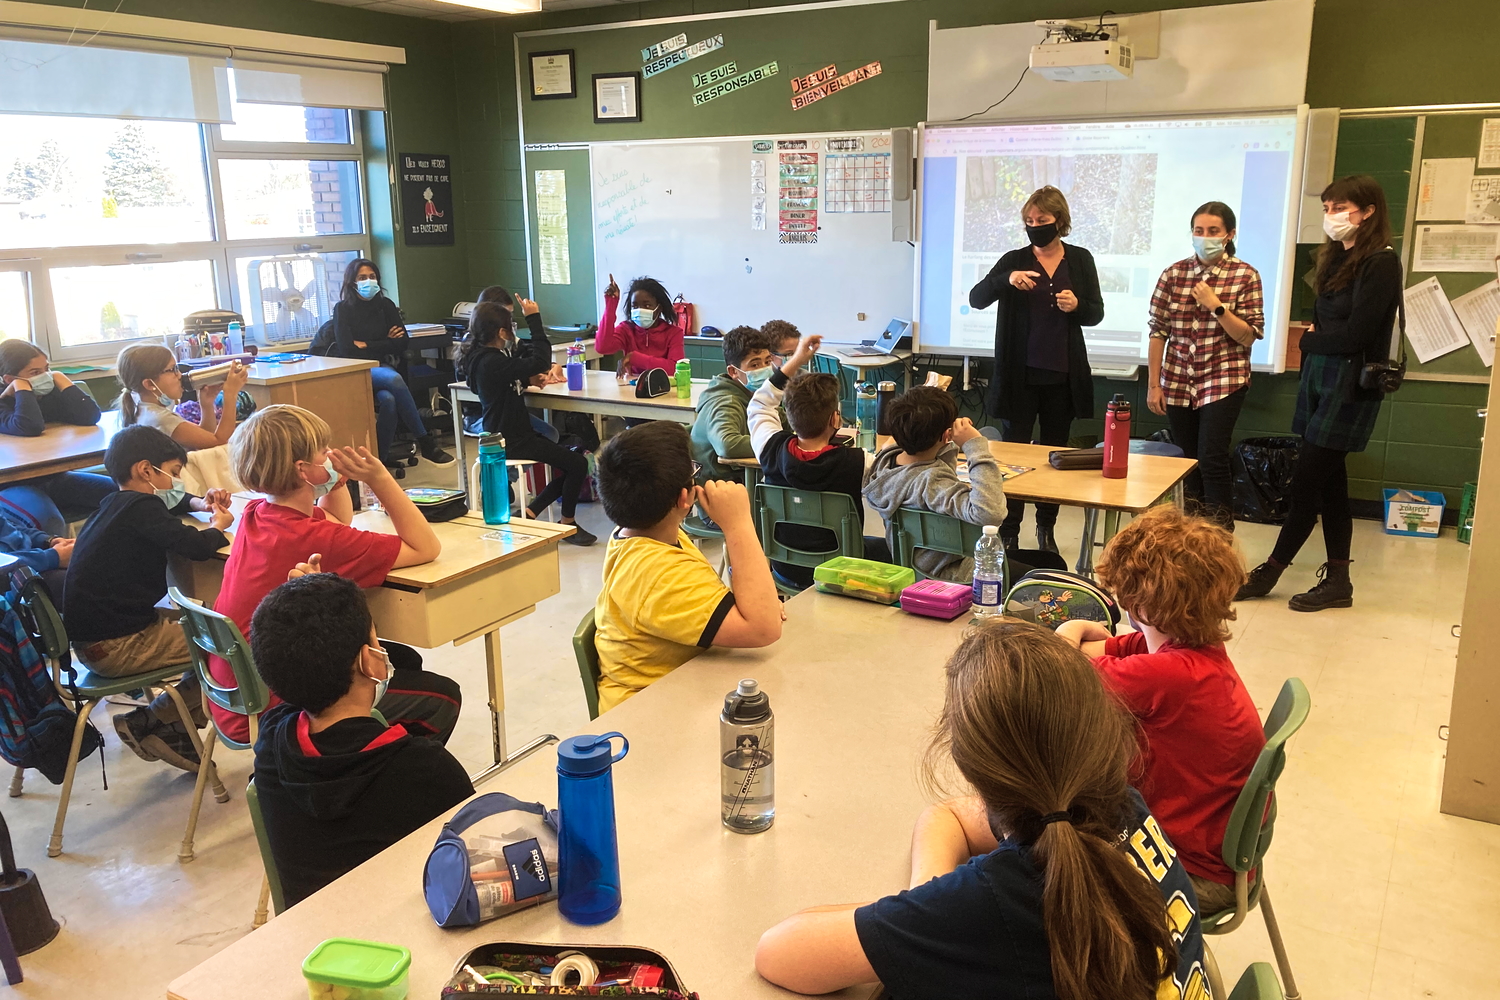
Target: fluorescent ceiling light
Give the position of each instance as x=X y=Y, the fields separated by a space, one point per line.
x=499 y=6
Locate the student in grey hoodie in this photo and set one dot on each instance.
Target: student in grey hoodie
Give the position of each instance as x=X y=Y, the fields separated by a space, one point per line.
x=921 y=470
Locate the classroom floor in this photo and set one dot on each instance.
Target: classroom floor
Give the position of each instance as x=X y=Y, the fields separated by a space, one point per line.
x=1379 y=895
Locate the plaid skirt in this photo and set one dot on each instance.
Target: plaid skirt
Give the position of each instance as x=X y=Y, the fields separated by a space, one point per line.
x=1332 y=410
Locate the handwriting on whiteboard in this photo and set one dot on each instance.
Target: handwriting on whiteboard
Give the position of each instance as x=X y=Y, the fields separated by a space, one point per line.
x=617 y=199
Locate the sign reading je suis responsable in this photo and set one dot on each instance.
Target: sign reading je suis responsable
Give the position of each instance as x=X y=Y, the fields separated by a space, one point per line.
x=426 y=199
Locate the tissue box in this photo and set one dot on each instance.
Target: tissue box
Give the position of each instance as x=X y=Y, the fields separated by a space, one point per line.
x=1418 y=513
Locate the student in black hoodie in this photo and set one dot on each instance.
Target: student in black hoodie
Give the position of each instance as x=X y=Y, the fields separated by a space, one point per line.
x=336 y=786
x=367 y=324
x=498 y=367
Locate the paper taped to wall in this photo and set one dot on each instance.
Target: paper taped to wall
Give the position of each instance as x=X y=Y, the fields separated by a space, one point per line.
x=1443 y=187
x=1431 y=324
x=1455 y=248
x=1479 y=312
x=1484 y=202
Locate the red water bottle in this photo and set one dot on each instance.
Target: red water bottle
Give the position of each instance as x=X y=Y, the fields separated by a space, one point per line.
x=1117 y=438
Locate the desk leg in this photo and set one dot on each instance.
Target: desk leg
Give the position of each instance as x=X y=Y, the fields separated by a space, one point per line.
x=458 y=444
x=1179 y=495
x=1111 y=525
x=494 y=668
x=1085 y=565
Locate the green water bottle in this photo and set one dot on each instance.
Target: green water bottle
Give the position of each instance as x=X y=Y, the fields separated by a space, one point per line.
x=684 y=379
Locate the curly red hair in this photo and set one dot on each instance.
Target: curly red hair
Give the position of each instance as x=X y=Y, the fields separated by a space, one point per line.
x=1177 y=573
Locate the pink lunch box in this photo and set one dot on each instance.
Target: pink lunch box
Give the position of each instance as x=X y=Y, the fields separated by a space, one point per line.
x=937 y=599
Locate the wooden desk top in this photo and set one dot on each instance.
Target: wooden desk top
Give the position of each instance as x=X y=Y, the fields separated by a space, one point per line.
x=262 y=373
x=692 y=890
x=60 y=448
x=469 y=545
x=1150 y=477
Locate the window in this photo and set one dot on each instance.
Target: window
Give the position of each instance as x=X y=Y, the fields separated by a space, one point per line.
x=113 y=230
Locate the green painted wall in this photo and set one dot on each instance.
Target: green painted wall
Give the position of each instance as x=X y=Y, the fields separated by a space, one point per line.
x=423 y=118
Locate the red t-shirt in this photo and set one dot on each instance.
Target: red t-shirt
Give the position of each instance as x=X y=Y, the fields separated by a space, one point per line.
x=270 y=540
x=1200 y=738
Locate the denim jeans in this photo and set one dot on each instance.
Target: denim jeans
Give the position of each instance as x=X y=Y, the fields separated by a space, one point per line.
x=44 y=500
x=392 y=400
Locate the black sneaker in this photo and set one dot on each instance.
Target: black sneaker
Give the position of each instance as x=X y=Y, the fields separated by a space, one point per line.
x=173 y=745
x=133 y=728
x=581 y=536
x=432 y=453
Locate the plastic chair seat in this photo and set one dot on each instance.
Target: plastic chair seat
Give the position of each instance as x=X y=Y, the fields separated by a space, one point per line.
x=587 y=655
x=94 y=686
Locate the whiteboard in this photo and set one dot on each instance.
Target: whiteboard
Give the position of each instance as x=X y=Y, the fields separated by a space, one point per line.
x=680 y=211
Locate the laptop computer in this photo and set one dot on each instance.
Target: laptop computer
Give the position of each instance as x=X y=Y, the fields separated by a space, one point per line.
x=884 y=344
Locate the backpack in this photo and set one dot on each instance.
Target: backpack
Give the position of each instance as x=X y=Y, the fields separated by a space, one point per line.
x=1058 y=596
x=36 y=728
x=322 y=341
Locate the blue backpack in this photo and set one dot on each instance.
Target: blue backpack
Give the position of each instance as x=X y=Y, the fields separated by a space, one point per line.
x=36 y=728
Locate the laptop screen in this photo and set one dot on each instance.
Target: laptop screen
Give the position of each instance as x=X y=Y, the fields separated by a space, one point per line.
x=893 y=333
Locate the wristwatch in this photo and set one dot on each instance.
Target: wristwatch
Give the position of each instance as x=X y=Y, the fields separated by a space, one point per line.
x=1219 y=309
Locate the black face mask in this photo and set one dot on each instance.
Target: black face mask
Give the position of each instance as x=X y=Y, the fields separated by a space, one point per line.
x=1040 y=236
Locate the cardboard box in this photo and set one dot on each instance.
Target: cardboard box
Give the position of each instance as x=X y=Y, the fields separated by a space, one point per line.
x=1418 y=513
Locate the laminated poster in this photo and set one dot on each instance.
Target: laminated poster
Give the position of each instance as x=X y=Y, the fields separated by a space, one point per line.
x=734 y=83
x=795 y=144
x=797 y=237
x=552 y=227
x=801 y=99
x=857 y=182
x=701 y=80
x=757 y=167
x=1489 y=145
x=681 y=56
x=663 y=47
x=761 y=145
x=811 y=80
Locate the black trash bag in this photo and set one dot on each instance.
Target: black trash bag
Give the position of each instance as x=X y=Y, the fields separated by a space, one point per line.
x=1262 y=477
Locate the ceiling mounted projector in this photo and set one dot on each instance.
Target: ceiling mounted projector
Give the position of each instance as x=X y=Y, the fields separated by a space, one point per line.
x=1078 y=51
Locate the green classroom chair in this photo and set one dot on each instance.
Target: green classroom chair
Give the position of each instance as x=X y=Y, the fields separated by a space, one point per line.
x=697 y=527
x=922 y=529
x=1258 y=983
x=1252 y=823
x=84 y=689
x=267 y=859
x=785 y=505
x=588 y=661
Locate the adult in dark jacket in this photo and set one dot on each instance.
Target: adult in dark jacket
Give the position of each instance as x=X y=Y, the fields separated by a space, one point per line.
x=1359 y=284
x=498 y=367
x=35 y=396
x=367 y=324
x=1048 y=292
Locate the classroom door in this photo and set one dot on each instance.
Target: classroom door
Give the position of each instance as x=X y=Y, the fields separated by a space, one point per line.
x=559 y=204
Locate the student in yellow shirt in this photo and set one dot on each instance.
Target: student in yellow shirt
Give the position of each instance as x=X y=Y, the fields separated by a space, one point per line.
x=662 y=603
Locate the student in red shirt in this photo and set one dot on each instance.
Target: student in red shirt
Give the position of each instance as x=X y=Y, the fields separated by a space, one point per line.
x=1176 y=577
x=649 y=337
x=283 y=451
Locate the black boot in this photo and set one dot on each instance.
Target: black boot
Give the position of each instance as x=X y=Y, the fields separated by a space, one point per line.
x=1044 y=539
x=1262 y=581
x=1010 y=538
x=1333 y=590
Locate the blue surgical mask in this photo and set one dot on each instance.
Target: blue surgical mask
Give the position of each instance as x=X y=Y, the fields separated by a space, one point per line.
x=171 y=497
x=367 y=287
x=643 y=318
x=390 y=671
x=41 y=384
x=321 y=490
x=162 y=398
x=756 y=377
x=1208 y=248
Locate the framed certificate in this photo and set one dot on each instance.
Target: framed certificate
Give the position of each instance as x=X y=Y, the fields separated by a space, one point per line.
x=617 y=97
x=552 y=76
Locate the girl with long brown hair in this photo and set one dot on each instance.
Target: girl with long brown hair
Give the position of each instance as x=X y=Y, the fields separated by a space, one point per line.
x=1053 y=880
x=152 y=386
x=1359 y=283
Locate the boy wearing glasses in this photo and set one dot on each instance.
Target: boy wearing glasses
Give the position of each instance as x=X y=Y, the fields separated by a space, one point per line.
x=662 y=603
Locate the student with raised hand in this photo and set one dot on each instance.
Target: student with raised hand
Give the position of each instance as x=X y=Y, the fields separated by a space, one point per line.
x=1052 y=881
x=1048 y=292
x=1206 y=313
x=152 y=387
x=35 y=396
x=498 y=365
x=501 y=296
x=649 y=337
x=284 y=452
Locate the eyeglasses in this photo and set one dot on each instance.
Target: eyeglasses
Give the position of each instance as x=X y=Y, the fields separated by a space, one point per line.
x=693 y=482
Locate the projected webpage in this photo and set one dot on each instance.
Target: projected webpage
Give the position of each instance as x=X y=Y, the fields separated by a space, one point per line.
x=1131 y=186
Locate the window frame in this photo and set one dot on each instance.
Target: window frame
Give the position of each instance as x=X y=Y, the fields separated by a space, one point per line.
x=222 y=253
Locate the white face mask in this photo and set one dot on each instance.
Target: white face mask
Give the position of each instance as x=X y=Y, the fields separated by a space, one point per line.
x=324 y=488
x=1339 y=225
x=390 y=671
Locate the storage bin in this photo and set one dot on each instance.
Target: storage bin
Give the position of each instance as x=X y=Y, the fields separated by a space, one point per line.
x=937 y=599
x=1418 y=513
x=864 y=578
x=347 y=969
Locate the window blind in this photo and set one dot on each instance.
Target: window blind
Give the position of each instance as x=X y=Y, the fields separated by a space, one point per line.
x=266 y=79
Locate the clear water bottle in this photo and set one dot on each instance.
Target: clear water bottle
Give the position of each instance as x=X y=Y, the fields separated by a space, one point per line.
x=575 y=365
x=747 y=761
x=989 y=573
x=494 y=481
x=684 y=379
x=588 y=848
x=236 y=339
x=865 y=416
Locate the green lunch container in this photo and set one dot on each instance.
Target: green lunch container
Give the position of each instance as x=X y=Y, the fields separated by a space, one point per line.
x=346 y=969
x=864 y=578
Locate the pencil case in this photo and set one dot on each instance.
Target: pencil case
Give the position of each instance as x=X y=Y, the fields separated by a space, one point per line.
x=511 y=968
x=937 y=599
x=439 y=505
x=864 y=578
x=1073 y=459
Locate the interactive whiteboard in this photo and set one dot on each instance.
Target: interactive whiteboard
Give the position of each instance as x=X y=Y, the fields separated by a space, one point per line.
x=685 y=212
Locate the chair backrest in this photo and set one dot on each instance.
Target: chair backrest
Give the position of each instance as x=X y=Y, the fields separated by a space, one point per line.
x=1258 y=983
x=834 y=511
x=1253 y=820
x=208 y=631
x=588 y=661
x=696 y=527
x=923 y=529
x=267 y=859
x=39 y=614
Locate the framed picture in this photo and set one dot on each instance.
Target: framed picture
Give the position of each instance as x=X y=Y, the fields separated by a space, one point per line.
x=617 y=97
x=552 y=76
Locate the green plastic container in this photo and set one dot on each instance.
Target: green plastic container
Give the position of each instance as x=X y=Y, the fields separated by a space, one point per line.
x=346 y=969
x=864 y=578
x=1466 y=512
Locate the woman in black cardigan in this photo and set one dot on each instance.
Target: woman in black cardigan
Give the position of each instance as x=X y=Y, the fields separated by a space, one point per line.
x=1048 y=292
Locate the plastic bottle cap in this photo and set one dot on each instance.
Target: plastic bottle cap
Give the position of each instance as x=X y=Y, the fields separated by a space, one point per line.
x=992 y=529
x=746 y=703
x=492 y=442
x=582 y=756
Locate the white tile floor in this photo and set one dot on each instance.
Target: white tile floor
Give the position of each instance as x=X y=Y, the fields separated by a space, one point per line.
x=1380 y=896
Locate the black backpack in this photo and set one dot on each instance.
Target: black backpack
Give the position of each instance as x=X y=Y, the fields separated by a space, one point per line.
x=322 y=341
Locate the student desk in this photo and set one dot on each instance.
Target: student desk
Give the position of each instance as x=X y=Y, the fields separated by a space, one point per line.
x=601 y=394
x=486 y=577
x=60 y=448
x=851 y=727
x=336 y=389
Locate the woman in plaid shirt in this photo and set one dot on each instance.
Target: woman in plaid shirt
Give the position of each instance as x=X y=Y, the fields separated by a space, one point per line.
x=1205 y=313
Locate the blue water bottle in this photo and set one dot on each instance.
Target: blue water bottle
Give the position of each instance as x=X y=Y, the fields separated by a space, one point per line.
x=588 y=852
x=494 y=480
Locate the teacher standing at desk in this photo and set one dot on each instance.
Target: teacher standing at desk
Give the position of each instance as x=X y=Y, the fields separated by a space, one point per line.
x=1048 y=292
